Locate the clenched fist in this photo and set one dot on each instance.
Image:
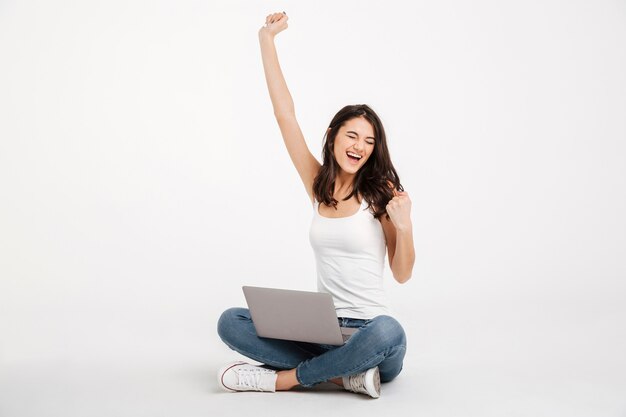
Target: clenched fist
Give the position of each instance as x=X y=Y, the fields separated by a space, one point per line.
x=274 y=24
x=399 y=210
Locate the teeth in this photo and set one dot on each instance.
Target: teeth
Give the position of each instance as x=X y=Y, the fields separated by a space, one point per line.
x=355 y=155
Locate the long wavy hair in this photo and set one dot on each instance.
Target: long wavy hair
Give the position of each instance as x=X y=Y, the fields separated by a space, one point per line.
x=374 y=180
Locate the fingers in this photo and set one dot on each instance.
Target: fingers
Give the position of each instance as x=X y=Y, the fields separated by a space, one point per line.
x=398 y=194
x=275 y=17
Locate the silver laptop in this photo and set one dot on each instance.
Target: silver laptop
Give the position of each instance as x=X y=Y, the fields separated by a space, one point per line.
x=302 y=316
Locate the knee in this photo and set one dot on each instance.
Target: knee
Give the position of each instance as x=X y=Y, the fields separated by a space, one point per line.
x=389 y=330
x=392 y=365
x=228 y=319
x=387 y=375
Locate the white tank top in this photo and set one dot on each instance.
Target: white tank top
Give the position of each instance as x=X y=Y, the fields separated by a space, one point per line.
x=350 y=260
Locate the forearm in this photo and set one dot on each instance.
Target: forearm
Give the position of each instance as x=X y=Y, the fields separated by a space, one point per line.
x=404 y=255
x=279 y=93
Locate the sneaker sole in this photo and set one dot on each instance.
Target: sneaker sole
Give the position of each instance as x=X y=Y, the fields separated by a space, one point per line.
x=376 y=376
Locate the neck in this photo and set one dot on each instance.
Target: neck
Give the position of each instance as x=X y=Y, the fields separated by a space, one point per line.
x=344 y=184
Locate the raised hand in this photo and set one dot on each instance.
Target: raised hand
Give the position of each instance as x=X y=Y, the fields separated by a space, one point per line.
x=274 y=24
x=399 y=210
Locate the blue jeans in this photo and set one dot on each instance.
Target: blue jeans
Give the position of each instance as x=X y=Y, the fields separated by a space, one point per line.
x=380 y=341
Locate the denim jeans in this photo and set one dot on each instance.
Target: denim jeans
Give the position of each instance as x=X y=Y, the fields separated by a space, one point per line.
x=380 y=341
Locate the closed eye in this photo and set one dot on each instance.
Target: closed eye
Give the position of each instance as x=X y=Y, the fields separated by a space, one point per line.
x=353 y=137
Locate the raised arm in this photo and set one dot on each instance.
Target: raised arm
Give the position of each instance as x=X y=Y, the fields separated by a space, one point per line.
x=284 y=110
x=279 y=93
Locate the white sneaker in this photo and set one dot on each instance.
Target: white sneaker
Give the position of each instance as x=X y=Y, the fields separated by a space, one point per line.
x=367 y=382
x=241 y=376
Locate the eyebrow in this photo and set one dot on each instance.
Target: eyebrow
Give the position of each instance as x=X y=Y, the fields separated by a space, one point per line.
x=352 y=131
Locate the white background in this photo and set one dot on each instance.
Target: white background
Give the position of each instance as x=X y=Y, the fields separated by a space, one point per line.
x=143 y=181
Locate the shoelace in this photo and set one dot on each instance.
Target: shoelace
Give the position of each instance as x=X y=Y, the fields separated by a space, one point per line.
x=251 y=377
x=357 y=383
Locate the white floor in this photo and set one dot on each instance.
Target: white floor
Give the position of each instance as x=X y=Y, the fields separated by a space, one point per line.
x=104 y=388
x=437 y=380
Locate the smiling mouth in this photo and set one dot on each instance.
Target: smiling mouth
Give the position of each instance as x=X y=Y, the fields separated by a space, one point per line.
x=353 y=159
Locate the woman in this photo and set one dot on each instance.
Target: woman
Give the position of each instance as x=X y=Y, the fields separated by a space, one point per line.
x=349 y=243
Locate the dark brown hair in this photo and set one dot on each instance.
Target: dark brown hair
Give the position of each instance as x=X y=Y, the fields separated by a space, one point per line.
x=373 y=180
